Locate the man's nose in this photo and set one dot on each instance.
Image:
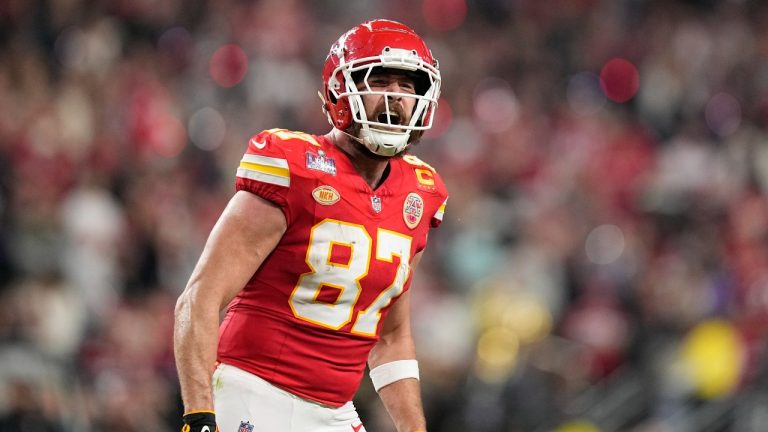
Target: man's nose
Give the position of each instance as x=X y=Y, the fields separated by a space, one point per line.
x=394 y=87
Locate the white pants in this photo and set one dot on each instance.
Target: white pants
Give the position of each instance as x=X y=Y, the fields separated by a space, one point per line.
x=246 y=403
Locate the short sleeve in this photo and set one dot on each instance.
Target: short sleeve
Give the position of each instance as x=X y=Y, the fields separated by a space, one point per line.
x=437 y=219
x=264 y=169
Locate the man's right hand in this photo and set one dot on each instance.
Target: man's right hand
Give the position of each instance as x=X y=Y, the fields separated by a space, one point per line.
x=199 y=421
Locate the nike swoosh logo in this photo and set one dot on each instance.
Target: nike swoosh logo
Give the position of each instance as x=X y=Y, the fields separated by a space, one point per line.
x=357 y=428
x=259 y=145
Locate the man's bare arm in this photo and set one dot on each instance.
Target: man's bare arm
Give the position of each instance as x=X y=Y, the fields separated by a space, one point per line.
x=402 y=398
x=247 y=231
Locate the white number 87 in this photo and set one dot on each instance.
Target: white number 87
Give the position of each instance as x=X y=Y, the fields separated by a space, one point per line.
x=346 y=277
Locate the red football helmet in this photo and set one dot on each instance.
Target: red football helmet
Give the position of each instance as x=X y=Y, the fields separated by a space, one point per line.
x=379 y=44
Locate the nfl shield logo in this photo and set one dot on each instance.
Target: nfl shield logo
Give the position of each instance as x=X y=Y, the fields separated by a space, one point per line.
x=376 y=204
x=245 y=427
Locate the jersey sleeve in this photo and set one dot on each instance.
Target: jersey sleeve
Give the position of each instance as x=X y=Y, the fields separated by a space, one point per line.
x=437 y=218
x=264 y=169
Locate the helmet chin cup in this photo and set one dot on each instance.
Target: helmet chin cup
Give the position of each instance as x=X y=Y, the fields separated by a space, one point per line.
x=382 y=142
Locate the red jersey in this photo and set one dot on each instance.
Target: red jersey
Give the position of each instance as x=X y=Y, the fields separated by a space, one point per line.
x=309 y=316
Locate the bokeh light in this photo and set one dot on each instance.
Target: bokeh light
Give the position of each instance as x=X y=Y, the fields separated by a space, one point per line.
x=723 y=114
x=92 y=49
x=444 y=15
x=207 y=128
x=528 y=318
x=619 y=80
x=175 y=44
x=497 y=354
x=604 y=244
x=228 y=65
x=442 y=121
x=488 y=309
x=69 y=47
x=495 y=105
x=584 y=93
x=173 y=39
x=168 y=136
x=463 y=146
x=713 y=355
x=578 y=426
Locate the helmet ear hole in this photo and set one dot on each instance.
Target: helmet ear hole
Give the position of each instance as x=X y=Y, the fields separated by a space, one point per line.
x=342 y=117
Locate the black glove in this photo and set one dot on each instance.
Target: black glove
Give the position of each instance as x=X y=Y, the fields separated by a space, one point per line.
x=199 y=421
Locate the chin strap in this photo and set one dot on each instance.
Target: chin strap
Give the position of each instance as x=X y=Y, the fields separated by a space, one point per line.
x=353 y=137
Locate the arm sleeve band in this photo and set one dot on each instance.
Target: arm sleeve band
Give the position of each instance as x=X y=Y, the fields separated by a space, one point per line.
x=388 y=373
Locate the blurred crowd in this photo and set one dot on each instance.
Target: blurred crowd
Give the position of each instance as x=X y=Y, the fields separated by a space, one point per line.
x=602 y=266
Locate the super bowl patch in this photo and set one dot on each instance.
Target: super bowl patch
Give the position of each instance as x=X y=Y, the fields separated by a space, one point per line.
x=413 y=209
x=320 y=162
x=245 y=427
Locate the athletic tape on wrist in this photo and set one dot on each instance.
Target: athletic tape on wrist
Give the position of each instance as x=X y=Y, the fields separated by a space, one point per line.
x=200 y=412
x=397 y=370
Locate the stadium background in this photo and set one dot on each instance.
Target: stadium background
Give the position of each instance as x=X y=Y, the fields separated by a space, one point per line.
x=603 y=264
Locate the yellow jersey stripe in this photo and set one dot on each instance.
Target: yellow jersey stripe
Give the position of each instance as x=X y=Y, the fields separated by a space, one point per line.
x=441 y=211
x=265 y=160
x=264 y=177
x=266 y=169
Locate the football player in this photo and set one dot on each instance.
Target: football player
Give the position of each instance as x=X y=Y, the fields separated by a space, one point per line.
x=314 y=255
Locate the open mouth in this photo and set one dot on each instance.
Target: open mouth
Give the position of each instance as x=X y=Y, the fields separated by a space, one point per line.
x=389 y=118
